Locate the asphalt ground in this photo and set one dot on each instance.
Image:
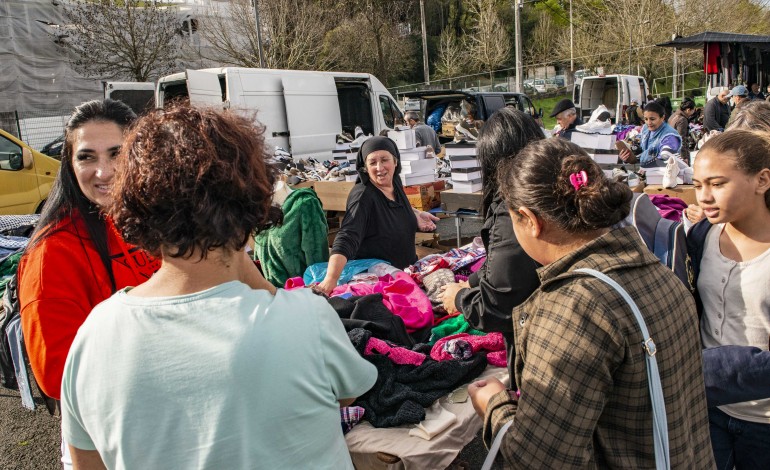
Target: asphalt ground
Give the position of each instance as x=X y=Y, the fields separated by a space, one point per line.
x=30 y=440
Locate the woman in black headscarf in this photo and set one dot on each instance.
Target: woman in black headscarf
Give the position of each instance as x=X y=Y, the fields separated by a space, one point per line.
x=379 y=222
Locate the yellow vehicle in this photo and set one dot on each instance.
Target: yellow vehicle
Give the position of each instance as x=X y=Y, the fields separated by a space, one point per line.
x=26 y=176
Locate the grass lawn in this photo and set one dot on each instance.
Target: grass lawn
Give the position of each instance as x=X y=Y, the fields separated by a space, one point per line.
x=547 y=105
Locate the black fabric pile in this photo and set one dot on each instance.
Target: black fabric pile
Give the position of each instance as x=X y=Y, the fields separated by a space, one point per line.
x=402 y=392
x=368 y=312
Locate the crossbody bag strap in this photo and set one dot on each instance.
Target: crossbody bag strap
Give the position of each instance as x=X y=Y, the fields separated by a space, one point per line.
x=495 y=448
x=659 y=422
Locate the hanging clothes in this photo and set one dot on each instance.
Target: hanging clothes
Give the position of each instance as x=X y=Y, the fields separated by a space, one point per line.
x=711 y=53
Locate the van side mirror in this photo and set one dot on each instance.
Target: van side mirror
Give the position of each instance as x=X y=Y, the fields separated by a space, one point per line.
x=27 y=159
x=15 y=162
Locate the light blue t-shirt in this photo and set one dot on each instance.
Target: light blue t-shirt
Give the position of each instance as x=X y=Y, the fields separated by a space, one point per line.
x=227 y=378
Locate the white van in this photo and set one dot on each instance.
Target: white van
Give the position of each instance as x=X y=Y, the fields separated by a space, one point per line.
x=613 y=91
x=302 y=111
x=139 y=96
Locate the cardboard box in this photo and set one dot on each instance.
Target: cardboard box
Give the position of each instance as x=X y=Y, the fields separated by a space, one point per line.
x=594 y=141
x=410 y=180
x=448 y=129
x=333 y=194
x=685 y=192
x=453 y=201
x=421 y=196
x=404 y=139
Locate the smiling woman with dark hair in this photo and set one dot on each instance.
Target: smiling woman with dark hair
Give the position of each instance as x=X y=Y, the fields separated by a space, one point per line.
x=195 y=368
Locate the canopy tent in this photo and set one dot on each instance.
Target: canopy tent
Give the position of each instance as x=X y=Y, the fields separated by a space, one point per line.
x=730 y=58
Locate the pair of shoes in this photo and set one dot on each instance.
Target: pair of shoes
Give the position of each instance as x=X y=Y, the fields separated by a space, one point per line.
x=619 y=174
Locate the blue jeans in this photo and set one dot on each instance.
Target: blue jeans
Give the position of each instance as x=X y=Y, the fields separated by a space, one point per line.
x=738 y=443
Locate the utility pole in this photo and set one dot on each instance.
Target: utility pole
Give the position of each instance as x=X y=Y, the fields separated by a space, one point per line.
x=516 y=15
x=426 y=70
x=571 y=48
x=259 y=35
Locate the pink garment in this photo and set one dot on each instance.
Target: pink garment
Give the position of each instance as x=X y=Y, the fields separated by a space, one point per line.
x=294 y=283
x=401 y=295
x=478 y=264
x=493 y=343
x=396 y=354
x=669 y=207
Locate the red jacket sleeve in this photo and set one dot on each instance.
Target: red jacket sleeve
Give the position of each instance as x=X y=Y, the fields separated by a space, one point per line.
x=58 y=286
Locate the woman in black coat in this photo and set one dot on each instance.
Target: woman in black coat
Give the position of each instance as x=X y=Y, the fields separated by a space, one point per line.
x=508 y=276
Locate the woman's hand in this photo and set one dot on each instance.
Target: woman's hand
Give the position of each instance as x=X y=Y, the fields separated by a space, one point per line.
x=426 y=221
x=325 y=287
x=694 y=213
x=626 y=155
x=481 y=391
x=449 y=293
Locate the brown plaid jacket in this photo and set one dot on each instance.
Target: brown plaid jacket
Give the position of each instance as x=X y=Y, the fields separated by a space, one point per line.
x=581 y=369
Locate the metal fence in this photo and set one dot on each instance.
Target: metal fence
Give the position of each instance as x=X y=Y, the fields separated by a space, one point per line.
x=36 y=128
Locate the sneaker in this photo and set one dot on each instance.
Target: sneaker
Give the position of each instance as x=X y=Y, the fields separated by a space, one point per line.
x=670 y=173
x=619 y=174
x=467 y=130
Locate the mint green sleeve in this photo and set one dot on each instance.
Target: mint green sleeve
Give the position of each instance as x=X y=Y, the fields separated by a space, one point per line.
x=73 y=431
x=350 y=375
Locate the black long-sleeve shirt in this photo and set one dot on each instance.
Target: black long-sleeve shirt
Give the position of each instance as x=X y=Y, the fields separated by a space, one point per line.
x=376 y=227
x=507 y=278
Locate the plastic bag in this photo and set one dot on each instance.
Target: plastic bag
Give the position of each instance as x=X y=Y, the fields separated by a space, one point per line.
x=317 y=272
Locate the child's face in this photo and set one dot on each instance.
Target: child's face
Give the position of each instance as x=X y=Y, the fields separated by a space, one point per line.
x=725 y=193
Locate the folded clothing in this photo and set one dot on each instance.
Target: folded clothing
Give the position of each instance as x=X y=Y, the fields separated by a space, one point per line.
x=396 y=354
x=370 y=313
x=350 y=416
x=437 y=419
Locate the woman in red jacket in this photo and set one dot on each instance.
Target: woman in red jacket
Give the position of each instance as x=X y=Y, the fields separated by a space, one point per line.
x=76 y=258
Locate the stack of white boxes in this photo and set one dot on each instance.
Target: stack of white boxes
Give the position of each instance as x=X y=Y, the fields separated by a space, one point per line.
x=601 y=148
x=343 y=153
x=416 y=166
x=466 y=170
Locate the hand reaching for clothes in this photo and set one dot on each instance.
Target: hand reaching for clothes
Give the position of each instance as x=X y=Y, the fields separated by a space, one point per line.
x=449 y=292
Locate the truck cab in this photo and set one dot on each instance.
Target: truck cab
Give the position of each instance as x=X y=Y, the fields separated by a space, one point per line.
x=302 y=111
x=26 y=176
x=483 y=103
x=613 y=91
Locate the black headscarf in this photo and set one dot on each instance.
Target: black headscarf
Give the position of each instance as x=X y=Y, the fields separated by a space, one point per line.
x=374 y=144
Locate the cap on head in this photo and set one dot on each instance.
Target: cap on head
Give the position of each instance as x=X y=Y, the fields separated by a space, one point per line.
x=740 y=90
x=561 y=106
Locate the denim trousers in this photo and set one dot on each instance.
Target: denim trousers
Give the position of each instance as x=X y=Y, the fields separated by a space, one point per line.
x=737 y=443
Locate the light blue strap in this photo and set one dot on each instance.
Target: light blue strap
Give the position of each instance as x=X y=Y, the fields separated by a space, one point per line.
x=13 y=333
x=659 y=422
x=495 y=446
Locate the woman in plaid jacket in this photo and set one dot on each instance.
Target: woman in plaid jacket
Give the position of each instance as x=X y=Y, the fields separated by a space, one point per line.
x=584 y=400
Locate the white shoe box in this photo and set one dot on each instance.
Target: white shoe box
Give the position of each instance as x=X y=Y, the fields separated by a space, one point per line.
x=594 y=141
x=404 y=139
x=654 y=175
x=466 y=174
x=412 y=154
x=472 y=186
x=603 y=158
x=418 y=167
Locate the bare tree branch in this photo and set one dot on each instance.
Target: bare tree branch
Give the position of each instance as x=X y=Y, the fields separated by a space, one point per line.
x=128 y=39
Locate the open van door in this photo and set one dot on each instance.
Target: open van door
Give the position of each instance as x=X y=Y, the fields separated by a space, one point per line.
x=313 y=113
x=203 y=88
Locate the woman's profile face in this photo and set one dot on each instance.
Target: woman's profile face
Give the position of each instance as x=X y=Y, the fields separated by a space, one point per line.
x=95 y=145
x=380 y=166
x=653 y=120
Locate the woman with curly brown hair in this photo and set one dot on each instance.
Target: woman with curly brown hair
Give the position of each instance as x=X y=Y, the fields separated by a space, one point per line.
x=194 y=368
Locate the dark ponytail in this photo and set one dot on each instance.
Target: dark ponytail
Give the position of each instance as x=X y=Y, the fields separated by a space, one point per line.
x=539 y=179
